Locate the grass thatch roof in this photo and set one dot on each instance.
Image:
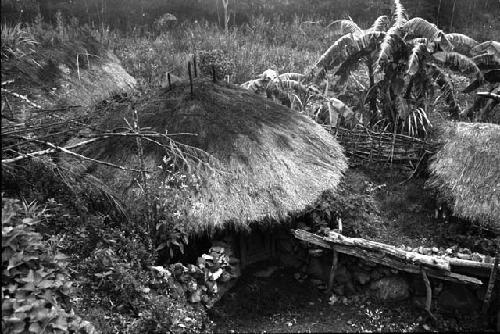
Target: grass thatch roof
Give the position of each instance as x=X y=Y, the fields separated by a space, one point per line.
x=271 y=160
x=466 y=170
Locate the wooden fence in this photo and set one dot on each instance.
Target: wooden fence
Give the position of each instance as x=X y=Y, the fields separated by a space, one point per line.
x=383 y=147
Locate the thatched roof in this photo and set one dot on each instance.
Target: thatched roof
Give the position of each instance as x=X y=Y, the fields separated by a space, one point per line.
x=270 y=160
x=466 y=170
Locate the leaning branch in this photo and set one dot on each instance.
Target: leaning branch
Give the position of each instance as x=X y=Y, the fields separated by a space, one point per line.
x=22 y=97
x=490 y=95
x=56 y=148
x=47 y=151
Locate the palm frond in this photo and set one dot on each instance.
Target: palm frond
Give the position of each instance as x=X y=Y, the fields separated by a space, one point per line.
x=291 y=76
x=390 y=46
x=457 y=62
x=255 y=85
x=342 y=27
x=419 y=27
x=487 y=61
x=488 y=47
x=347 y=46
x=292 y=85
x=418 y=52
x=380 y=24
x=461 y=43
x=475 y=84
x=415 y=41
x=446 y=87
x=400 y=16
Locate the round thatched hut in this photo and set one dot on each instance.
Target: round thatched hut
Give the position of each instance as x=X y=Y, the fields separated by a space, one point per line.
x=466 y=170
x=267 y=160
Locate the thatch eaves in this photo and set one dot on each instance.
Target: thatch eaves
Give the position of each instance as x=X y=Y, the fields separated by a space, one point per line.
x=466 y=170
x=270 y=160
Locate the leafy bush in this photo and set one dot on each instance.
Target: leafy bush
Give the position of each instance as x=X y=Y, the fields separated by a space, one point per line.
x=215 y=60
x=35 y=283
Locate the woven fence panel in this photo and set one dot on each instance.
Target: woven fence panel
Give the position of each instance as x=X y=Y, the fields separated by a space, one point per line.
x=383 y=147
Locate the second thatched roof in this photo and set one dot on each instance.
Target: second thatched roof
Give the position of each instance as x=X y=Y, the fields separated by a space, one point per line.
x=466 y=170
x=270 y=160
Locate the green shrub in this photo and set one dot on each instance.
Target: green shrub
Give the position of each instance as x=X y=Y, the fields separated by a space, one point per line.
x=215 y=60
x=35 y=283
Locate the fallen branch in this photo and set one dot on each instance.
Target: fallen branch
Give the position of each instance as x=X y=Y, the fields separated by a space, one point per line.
x=22 y=97
x=489 y=95
x=56 y=148
x=47 y=151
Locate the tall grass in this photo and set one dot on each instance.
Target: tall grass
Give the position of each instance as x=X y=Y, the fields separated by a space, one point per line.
x=17 y=41
x=253 y=48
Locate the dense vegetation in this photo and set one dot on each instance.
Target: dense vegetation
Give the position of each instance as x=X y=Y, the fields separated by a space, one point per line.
x=385 y=64
x=476 y=18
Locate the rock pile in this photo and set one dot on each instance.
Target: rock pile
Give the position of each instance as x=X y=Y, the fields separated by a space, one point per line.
x=358 y=279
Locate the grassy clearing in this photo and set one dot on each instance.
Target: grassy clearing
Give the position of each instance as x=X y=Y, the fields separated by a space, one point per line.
x=253 y=48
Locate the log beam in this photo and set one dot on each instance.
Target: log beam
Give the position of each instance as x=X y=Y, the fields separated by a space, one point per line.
x=387 y=255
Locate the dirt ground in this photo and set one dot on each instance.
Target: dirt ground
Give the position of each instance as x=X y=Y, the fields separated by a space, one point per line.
x=282 y=304
x=390 y=205
x=375 y=203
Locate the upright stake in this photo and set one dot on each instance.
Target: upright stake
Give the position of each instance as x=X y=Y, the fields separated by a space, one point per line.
x=428 y=300
x=335 y=261
x=213 y=74
x=491 y=285
x=169 y=81
x=190 y=78
x=194 y=64
x=140 y=153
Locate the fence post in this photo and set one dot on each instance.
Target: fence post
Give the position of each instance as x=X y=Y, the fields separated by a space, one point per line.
x=190 y=78
x=194 y=65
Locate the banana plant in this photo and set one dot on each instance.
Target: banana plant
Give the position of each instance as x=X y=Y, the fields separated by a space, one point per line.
x=411 y=58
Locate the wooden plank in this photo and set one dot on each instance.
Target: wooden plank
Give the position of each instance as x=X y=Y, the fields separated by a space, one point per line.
x=454 y=262
x=382 y=258
x=335 y=238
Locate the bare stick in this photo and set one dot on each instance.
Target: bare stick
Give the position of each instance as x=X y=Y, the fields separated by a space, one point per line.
x=55 y=148
x=335 y=262
x=169 y=81
x=48 y=151
x=491 y=285
x=78 y=66
x=194 y=65
x=22 y=97
x=428 y=300
x=190 y=78
x=140 y=153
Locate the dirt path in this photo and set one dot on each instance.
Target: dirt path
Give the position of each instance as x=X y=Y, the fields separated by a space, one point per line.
x=282 y=304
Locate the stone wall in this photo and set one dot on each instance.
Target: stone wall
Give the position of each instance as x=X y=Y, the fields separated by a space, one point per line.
x=356 y=278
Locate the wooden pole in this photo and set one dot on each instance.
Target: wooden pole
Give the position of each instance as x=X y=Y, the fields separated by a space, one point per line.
x=190 y=78
x=428 y=300
x=194 y=65
x=335 y=262
x=169 y=81
x=140 y=153
x=491 y=285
